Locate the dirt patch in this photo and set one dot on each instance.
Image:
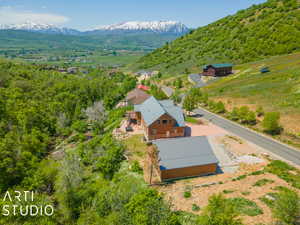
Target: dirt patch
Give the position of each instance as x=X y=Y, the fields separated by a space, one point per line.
x=237 y=184
x=238 y=188
x=205 y=129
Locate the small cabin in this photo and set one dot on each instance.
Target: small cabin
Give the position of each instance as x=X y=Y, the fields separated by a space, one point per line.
x=217 y=70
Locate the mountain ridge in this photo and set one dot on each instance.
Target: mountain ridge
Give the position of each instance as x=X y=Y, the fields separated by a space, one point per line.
x=264 y=30
x=161 y=27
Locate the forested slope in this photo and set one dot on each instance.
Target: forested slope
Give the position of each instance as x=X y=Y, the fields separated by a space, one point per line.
x=268 y=29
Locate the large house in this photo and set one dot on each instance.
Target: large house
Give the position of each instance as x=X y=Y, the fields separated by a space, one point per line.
x=160 y=119
x=217 y=70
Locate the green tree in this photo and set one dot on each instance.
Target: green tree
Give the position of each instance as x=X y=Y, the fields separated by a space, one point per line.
x=189 y=103
x=271 y=124
x=220 y=107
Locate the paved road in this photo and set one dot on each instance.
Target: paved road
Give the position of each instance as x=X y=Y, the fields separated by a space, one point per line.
x=275 y=147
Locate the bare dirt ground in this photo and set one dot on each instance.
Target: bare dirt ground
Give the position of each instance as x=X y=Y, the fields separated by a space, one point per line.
x=205 y=129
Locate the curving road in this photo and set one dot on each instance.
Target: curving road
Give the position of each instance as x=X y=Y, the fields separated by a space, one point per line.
x=275 y=147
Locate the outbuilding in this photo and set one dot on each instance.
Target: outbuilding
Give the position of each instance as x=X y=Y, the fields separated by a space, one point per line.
x=217 y=70
x=185 y=157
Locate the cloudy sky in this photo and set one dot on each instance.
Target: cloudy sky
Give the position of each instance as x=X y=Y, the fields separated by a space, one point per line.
x=86 y=14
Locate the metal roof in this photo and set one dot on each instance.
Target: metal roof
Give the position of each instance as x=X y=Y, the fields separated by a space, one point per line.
x=184 y=152
x=218 y=65
x=152 y=109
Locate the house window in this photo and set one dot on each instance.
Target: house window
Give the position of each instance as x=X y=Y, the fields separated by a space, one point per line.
x=165 y=121
x=170 y=121
x=154 y=131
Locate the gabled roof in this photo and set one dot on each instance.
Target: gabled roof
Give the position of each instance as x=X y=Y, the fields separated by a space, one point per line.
x=218 y=65
x=153 y=109
x=137 y=96
x=184 y=152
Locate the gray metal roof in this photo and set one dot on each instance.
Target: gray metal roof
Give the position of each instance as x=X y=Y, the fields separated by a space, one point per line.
x=184 y=152
x=152 y=109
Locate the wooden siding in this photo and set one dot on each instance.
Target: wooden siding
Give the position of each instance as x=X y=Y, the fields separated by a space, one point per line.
x=188 y=171
x=164 y=127
x=211 y=71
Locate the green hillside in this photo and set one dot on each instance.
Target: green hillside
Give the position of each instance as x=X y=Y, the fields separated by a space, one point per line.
x=268 y=29
x=277 y=90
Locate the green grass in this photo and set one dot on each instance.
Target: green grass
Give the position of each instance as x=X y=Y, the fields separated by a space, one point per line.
x=246 y=193
x=263 y=182
x=134 y=145
x=191 y=120
x=228 y=191
x=285 y=171
x=246 y=207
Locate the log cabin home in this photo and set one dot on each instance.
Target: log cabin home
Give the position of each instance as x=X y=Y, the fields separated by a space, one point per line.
x=160 y=119
x=217 y=70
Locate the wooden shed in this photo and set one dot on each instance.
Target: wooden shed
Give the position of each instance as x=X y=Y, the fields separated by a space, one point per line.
x=185 y=157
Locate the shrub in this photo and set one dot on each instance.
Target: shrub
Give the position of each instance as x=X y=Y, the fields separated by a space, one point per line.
x=195 y=208
x=219 y=211
x=187 y=194
x=219 y=107
x=135 y=167
x=270 y=123
x=287 y=207
x=260 y=111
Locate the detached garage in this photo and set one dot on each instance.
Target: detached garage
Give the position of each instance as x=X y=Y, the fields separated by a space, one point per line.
x=185 y=157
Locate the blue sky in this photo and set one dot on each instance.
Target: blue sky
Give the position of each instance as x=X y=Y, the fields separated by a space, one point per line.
x=86 y=14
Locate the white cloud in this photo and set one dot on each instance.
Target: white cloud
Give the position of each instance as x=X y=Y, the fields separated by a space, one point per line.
x=9 y=15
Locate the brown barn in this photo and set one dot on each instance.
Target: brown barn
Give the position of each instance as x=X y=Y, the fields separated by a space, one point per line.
x=136 y=97
x=185 y=157
x=217 y=70
x=160 y=119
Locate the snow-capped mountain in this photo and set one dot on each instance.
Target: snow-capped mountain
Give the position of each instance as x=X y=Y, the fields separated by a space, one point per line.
x=151 y=26
x=42 y=28
x=159 y=27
